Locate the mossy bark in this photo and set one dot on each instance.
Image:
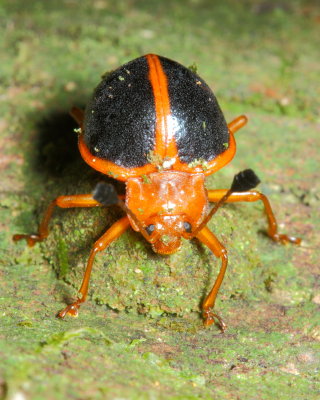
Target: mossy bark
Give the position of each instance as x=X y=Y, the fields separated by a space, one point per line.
x=140 y=335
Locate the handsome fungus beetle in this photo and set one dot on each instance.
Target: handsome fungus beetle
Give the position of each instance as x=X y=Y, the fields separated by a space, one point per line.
x=157 y=126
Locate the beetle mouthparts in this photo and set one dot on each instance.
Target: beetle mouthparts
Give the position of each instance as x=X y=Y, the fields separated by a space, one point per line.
x=167 y=244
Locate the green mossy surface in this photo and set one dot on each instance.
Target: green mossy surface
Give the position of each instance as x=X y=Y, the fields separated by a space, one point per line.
x=140 y=336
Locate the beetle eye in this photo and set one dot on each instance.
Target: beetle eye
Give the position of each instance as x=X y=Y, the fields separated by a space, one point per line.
x=187 y=227
x=150 y=229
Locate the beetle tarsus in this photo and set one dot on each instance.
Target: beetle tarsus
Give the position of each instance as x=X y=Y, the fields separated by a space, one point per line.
x=210 y=317
x=71 y=309
x=31 y=239
x=284 y=239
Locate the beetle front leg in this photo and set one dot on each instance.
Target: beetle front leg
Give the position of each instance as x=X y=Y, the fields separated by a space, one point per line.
x=116 y=230
x=215 y=195
x=80 y=200
x=210 y=240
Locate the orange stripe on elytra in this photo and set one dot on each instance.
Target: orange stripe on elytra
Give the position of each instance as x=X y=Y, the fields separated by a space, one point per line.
x=165 y=145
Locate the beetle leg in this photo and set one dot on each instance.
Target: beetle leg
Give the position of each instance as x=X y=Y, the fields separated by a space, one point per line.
x=80 y=200
x=78 y=115
x=237 y=123
x=116 y=230
x=210 y=240
x=215 y=195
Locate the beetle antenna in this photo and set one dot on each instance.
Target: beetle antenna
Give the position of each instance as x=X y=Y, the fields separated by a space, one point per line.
x=106 y=194
x=242 y=182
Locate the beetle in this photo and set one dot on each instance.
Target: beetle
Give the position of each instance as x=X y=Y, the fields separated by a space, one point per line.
x=157 y=126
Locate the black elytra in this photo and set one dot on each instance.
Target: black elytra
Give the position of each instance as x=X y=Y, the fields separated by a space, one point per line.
x=120 y=120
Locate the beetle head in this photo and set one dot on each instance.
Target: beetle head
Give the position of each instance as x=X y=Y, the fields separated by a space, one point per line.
x=167 y=206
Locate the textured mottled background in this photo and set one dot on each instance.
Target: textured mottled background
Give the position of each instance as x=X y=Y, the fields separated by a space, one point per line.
x=140 y=335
